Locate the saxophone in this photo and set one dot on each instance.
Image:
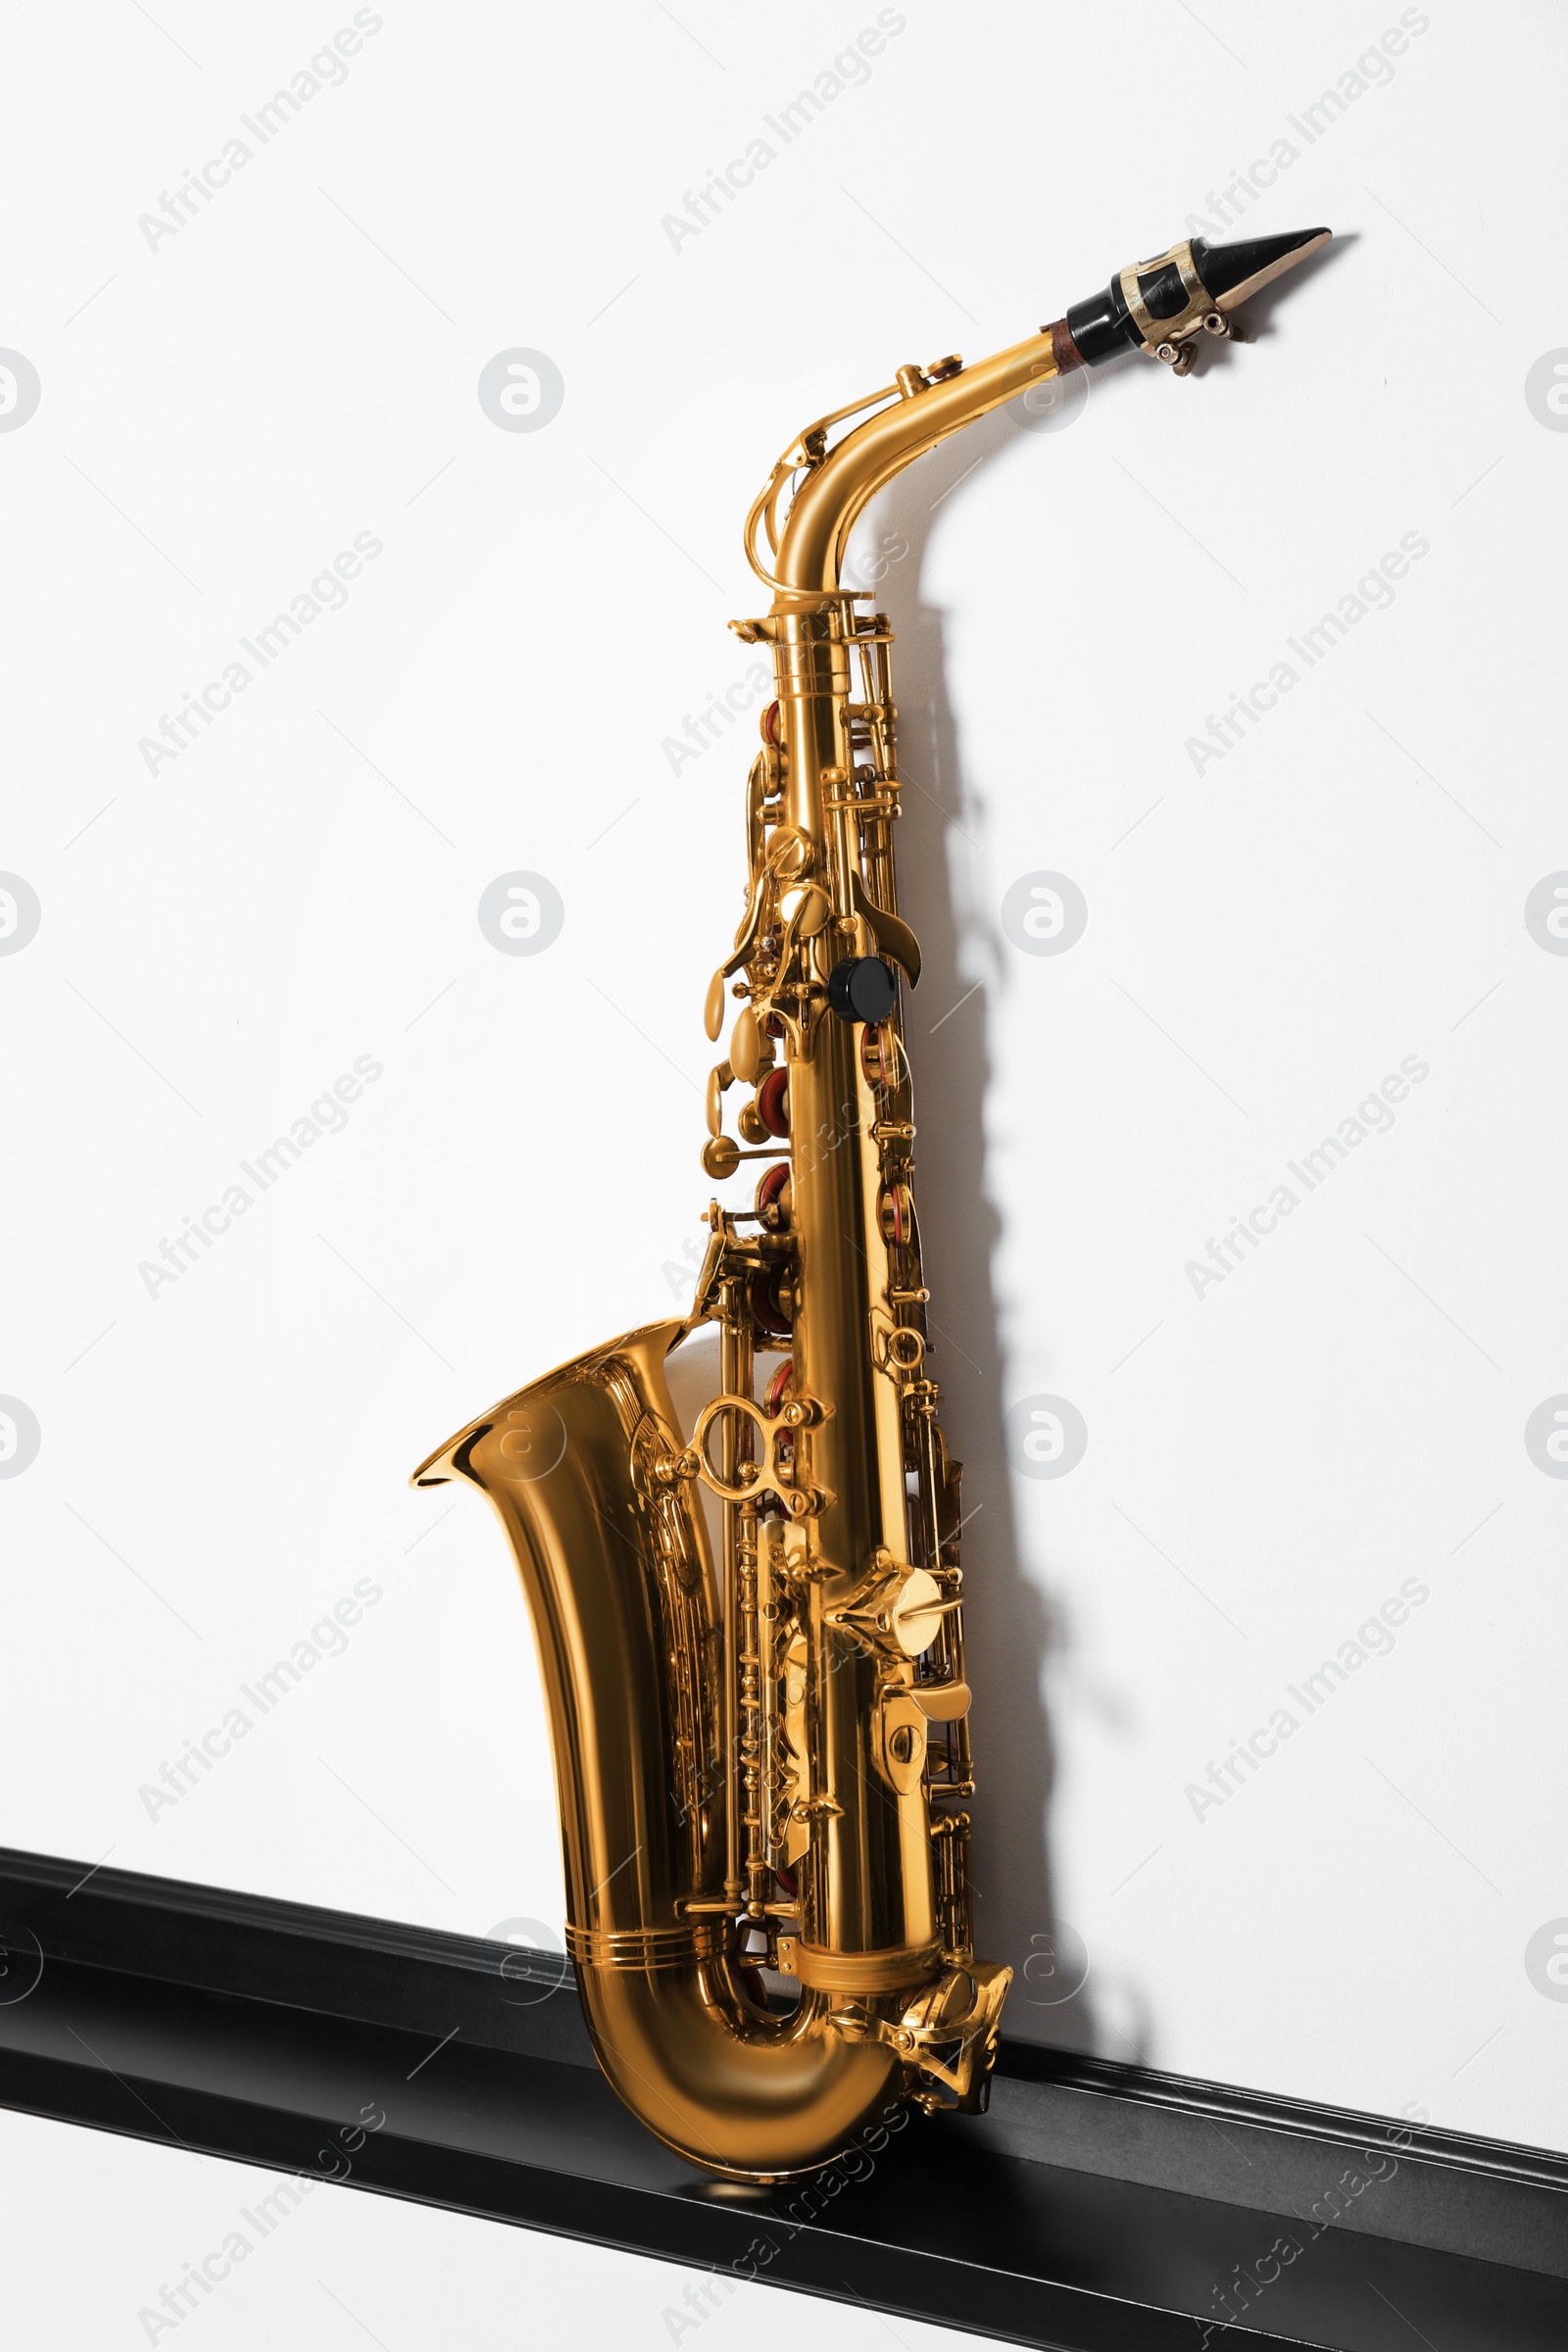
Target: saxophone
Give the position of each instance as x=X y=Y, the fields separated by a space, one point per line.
x=750 y=1629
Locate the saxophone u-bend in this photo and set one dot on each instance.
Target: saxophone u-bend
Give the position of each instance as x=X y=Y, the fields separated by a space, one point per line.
x=762 y=1731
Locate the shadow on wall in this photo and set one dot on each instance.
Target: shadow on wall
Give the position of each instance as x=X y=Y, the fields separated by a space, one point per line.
x=1011 y=1629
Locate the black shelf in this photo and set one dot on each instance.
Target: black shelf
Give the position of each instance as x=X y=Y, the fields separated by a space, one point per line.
x=1096 y=2208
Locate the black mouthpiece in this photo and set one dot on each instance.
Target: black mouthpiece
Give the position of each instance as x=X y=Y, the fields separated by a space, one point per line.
x=1155 y=306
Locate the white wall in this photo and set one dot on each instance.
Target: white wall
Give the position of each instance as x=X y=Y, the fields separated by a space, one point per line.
x=1269 y=934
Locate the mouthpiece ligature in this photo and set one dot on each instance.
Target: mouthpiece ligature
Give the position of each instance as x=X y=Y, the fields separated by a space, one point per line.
x=1162 y=307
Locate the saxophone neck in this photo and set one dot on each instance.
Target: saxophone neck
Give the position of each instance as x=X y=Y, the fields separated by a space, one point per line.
x=1163 y=308
x=926 y=405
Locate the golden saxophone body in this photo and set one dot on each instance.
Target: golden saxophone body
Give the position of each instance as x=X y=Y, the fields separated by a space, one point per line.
x=762 y=1742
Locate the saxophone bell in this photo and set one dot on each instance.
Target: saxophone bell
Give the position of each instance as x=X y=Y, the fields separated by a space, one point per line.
x=590 y=1475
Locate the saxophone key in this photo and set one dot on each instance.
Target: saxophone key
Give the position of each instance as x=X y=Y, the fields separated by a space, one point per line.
x=773 y=1103
x=895 y=1212
x=773 y=1196
x=746 y=1047
x=773 y=1302
x=721 y=1156
x=719 y=1080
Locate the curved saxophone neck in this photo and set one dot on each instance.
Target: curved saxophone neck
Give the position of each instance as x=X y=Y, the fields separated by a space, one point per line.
x=1162 y=308
x=928 y=405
